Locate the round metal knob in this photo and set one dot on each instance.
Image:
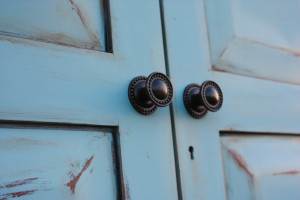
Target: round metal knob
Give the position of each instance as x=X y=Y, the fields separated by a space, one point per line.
x=199 y=99
x=146 y=93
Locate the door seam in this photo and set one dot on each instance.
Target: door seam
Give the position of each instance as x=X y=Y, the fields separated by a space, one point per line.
x=174 y=140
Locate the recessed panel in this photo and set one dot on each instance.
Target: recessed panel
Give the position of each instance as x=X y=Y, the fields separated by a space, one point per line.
x=77 y=23
x=261 y=166
x=259 y=39
x=56 y=163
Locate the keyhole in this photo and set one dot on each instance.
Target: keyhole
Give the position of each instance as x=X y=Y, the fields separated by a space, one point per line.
x=191 y=150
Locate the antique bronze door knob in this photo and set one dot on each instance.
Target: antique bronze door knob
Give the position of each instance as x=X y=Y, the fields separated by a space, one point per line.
x=146 y=93
x=199 y=99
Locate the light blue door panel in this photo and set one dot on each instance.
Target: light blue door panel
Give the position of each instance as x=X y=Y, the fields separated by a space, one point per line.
x=260 y=166
x=251 y=49
x=39 y=162
x=74 y=23
x=258 y=39
x=54 y=83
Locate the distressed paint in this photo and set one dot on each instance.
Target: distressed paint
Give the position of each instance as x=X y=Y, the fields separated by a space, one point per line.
x=241 y=162
x=258 y=60
x=261 y=166
x=73 y=182
x=292 y=172
x=53 y=83
x=257 y=99
x=259 y=39
x=16 y=194
x=57 y=169
x=74 y=23
x=271 y=22
x=62 y=84
x=18 y=182
x=127 y=192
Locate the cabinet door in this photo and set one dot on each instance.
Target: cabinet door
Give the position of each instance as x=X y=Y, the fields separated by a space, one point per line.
x=249 y=149
x=67 y=129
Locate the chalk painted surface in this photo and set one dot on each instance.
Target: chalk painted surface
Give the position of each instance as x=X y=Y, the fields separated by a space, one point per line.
x=251 y=49
x=73 y=22
x=42 y=162
x=261 y=166
x=54 y=83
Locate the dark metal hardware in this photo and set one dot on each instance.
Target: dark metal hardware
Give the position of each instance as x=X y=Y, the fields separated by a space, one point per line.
x=191 y=150
x=199 y=99
x=146 y=93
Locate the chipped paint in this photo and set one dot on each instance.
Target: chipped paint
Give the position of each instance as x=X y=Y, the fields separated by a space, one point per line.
x=79 y=17
x=250 y=58
x=77 y=9
x=214 y=68
x=293 y=172
x=127 y=192
x=85 y=24
x=125 y=187
x=230 y=129
x=241 y=162
x=223 y=51
x=16 y=194
x=23 y=143
x=48 y=38
x=18 y=183
x=72 y=183
x=294 y=53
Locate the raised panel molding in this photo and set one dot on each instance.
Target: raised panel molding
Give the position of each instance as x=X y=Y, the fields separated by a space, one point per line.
x=259 y=39
x=260 y=166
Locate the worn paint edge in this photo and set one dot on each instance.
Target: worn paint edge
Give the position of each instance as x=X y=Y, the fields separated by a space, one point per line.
x=167 y=66
x=247 y=133
x=293 y=172
x=49 y=41
x=108 y=27
x=17 y=38
x=62 y=125
x=122 y=193
x=215 y=69
x=241 y=73
x=53 y=125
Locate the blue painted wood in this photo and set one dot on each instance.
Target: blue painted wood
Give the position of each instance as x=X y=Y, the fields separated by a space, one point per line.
x=42 y=163
x=54 y=83
x=262 y=103
x=201 y=178
x=255 y=38
x=72 y=22
x=261 y=166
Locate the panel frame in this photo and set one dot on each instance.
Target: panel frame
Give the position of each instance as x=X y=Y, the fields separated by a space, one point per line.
x=44 y=82
x=267 y=51
x=73 y=11
x=251 y=165
x=250 y=104
x=114 y=130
